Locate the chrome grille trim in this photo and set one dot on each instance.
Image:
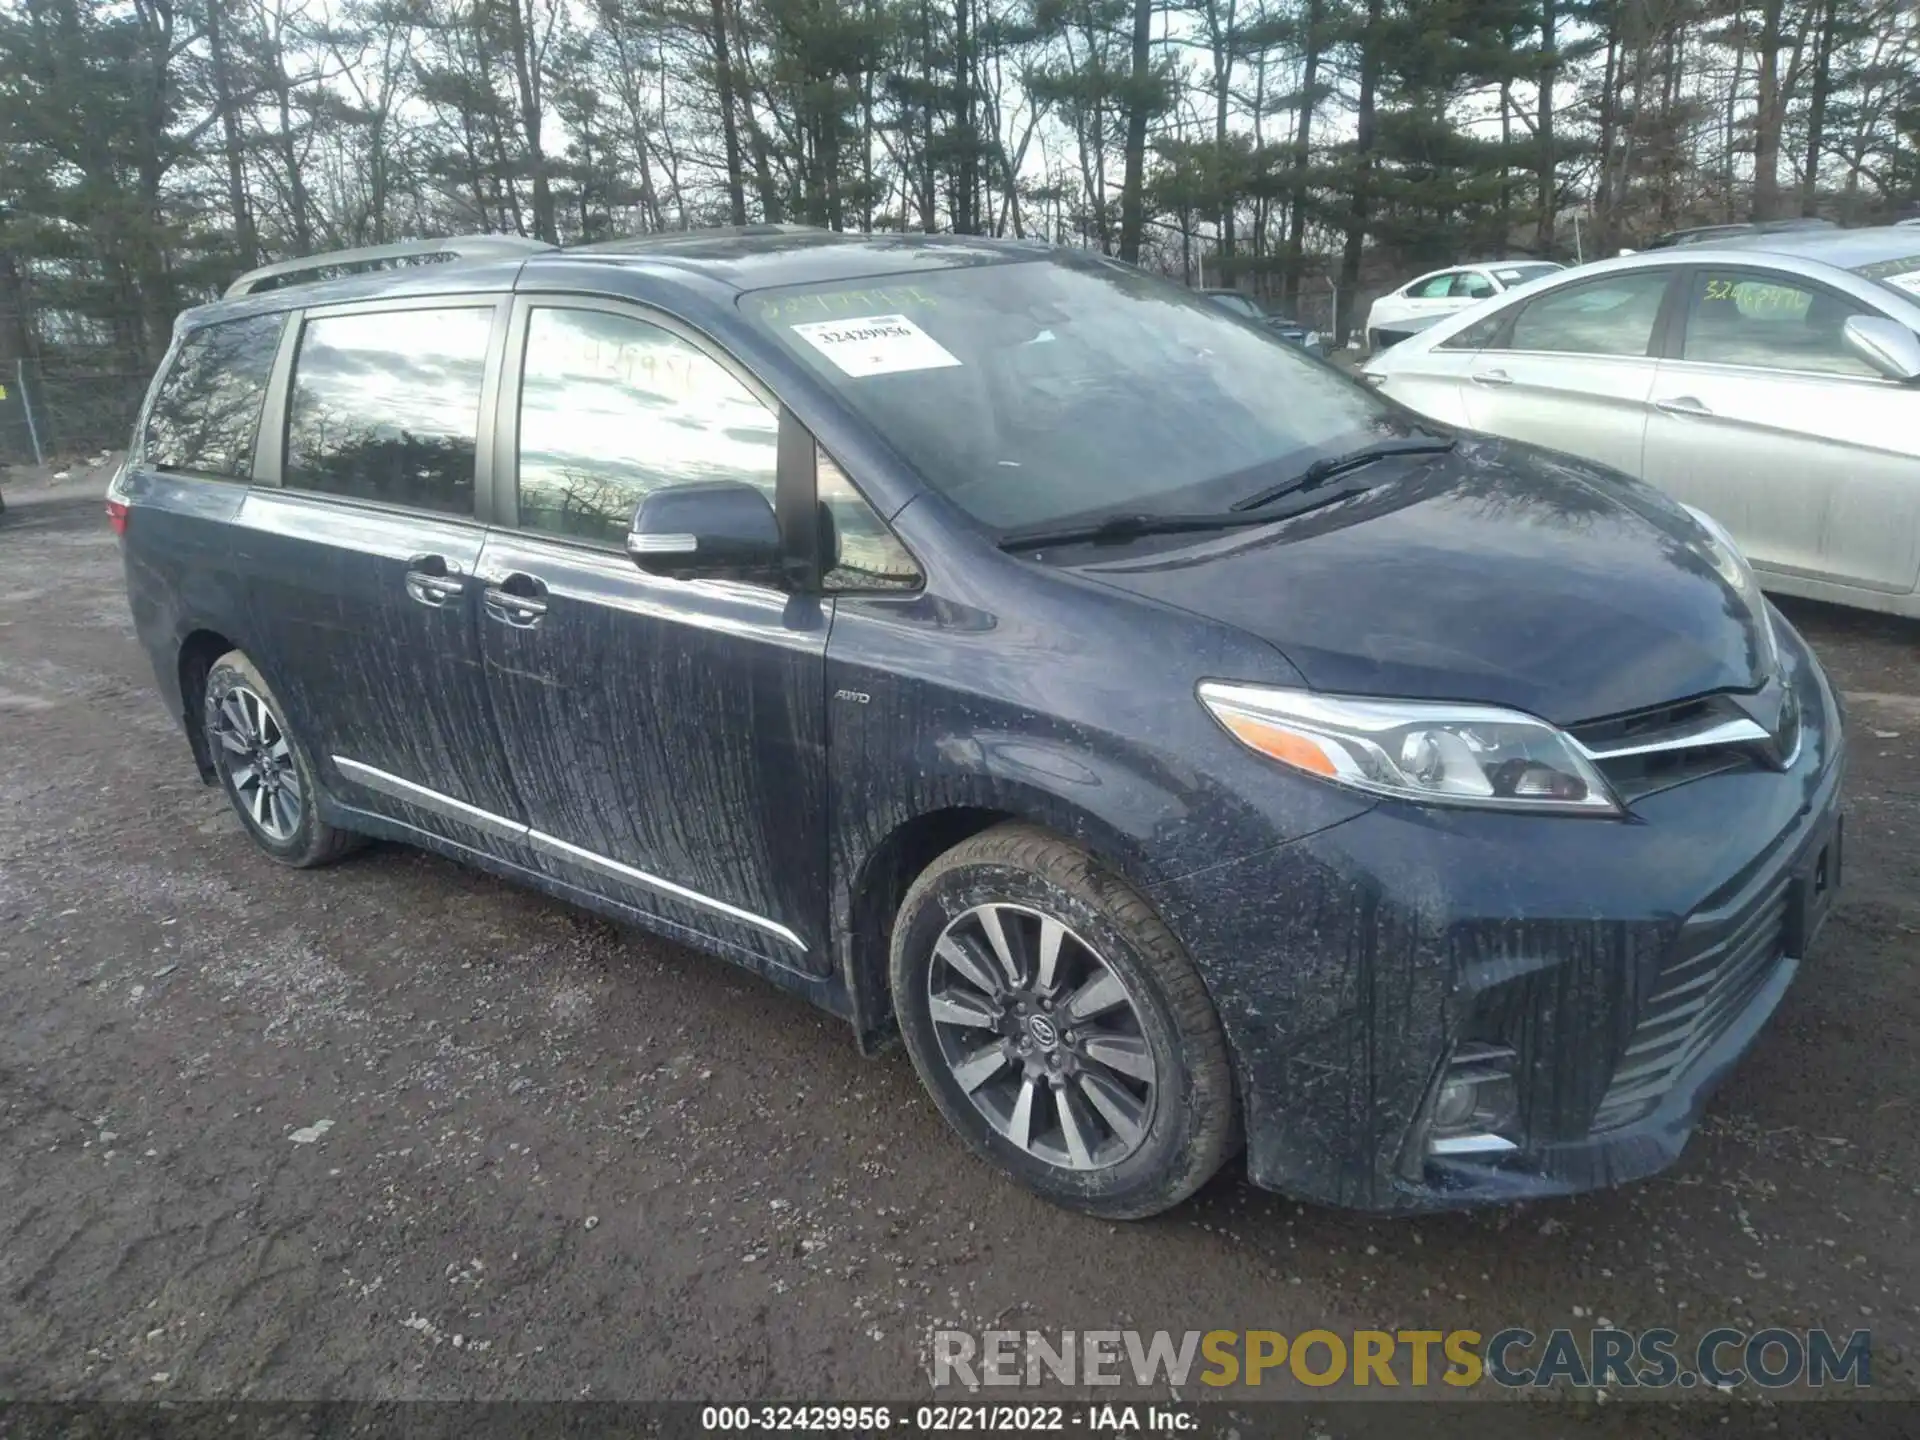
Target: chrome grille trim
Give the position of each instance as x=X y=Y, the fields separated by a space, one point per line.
x=1706 y=734
x=1653 y=750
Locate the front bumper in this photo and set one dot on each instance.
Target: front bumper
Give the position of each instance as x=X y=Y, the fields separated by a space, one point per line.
x=1626 y=964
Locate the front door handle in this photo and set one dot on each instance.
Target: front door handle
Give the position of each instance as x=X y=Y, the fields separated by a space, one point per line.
x=519 y=600
x=1492 y=377
x=433 y=580
x=1682 y=405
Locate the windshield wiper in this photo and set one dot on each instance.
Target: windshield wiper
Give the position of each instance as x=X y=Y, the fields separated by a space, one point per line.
x=1117 y=528
x=1320 y=471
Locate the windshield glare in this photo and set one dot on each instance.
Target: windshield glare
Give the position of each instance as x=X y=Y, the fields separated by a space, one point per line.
x=1032 y=392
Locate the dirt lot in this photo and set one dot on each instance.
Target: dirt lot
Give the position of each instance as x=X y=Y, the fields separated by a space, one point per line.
x=396 y=1130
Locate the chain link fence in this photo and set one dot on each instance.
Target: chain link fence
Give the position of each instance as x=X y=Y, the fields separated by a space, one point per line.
x=55 y=410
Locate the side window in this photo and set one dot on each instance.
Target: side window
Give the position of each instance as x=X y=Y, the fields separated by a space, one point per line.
x=865 y=555
x=1434 y=288
x=385 y=407
x=207 y=412
x=1610 y=315
x=1480 y=334
x=1472 y=285
x=612 y=407
x=1770 y=322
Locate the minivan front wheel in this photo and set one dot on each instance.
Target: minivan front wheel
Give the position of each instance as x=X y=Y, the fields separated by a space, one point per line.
x=263 y=768
x=1059 y=1026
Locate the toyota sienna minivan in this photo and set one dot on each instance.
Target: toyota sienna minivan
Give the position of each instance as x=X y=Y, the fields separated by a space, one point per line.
x=1178 y=746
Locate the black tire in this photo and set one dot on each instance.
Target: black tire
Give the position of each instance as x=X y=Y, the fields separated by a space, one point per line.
x=235 y=681
x=1375 y=343
x=1192 y=1128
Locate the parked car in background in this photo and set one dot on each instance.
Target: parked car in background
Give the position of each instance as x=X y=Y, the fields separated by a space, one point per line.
x=1422 y=300
x=1709 y=234
x=1238 y=302
x=1177 y=745
x=1769 y=379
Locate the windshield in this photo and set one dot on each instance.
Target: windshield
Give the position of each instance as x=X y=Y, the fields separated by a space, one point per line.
x=1511 y=275
x=1032 y=392
x=1900 y=275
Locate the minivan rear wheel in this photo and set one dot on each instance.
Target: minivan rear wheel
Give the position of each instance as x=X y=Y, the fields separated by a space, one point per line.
x=1060 y=1027
x=263 y=767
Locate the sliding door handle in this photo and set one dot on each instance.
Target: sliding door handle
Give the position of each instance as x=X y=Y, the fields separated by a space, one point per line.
x=433 y=580
x=519 y=600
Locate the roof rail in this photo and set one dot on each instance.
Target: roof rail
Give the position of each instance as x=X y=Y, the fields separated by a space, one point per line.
x=335 y=263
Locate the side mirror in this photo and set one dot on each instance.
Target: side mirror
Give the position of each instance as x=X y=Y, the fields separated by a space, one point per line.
x=709 y=529
x=1887 y=345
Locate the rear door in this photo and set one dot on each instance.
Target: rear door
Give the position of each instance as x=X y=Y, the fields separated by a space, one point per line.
x=1765 y=419
x=1572 y=368
x=359 y=552
x=668 y=737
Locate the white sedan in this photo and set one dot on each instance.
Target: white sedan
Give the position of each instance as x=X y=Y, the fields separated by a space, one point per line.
x=1421 y=301
x=1772 y=382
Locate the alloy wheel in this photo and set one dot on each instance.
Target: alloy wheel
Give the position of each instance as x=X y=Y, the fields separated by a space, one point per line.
x=1043 y=1036
x=253 y=749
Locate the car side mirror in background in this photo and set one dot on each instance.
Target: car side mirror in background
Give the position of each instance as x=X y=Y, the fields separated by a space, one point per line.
x=722 y=529
x=1887 y=345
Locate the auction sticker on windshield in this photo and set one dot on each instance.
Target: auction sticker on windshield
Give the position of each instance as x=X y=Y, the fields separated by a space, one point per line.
x=876 y=344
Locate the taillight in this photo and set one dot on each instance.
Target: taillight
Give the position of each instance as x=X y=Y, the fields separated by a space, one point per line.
x=117 y=516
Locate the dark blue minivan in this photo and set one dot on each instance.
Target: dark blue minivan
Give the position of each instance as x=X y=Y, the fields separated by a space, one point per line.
x=1180 y=747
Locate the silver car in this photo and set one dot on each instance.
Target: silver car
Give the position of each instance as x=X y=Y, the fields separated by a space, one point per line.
x=1771 y=381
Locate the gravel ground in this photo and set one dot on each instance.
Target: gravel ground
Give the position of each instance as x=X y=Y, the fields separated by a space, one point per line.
x=395 y=1130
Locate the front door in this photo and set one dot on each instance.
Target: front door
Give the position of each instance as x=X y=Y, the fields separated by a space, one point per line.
x=1771 y=424
x=359 y=561
x=667 y=737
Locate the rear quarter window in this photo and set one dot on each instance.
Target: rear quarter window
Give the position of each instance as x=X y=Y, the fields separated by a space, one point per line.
x=206 y=414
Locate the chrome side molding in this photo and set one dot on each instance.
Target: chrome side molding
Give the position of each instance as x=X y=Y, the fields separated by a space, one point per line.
x=427 y=799
x=485 y=820
x=554 y=845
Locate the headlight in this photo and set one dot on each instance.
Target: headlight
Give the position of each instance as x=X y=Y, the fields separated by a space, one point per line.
x=1735 y=569
x=1434 y=754
x=1311 y=339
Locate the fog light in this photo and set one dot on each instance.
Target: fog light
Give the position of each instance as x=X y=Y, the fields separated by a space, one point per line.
x=1456 y=1104
x=1475 y=1103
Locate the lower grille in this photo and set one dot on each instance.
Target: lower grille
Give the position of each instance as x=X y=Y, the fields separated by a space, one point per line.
x=1698 y=995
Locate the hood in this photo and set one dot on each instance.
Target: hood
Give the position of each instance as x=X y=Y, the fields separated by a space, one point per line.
x=1498 y=573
